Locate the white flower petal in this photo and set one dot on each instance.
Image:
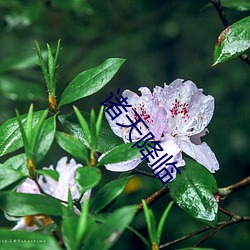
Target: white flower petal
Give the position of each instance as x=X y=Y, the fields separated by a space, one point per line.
x=189 y=110
x=201 y=153
x=21 y=225
x=124 y=166
x=29 y=187
x=172 y=149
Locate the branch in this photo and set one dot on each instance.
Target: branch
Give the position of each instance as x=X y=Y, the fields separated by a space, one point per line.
x=223 y=192
x=235 y=220
x=226 y=23
x=152 y=198
x=144 y=173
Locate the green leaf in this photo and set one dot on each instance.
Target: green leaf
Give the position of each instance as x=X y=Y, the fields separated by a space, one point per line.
x=162 y=221
x=10 y=136
x=16 y=240
x=92 y=127
x=107 y=139
x=105 y=235
x=53 y=174
x=69 y=231
x=193 y=191
x=8 y=176
x=99 y=122
x=233 y=41
x=87 y=177
x=120 y=153
x=20 y=204
x=18 y=162
x=19 y=90
x=74 y=228
x=84 y=125
x=90 y=81
x=241 y=5
x=46 y=138
x=108 y=193
x=73 y=146
x=151 y=223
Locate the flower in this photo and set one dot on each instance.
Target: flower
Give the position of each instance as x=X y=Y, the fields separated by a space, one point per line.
x=177 y=115
x=58 y=189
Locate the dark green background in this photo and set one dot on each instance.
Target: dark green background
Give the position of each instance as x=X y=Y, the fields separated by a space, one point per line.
x=162 y=41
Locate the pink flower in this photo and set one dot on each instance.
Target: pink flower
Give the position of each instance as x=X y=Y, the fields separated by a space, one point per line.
x=58 y=189
x=177 y=115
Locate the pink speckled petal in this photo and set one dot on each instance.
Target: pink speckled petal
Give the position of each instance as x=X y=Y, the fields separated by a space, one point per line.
x=189 y=110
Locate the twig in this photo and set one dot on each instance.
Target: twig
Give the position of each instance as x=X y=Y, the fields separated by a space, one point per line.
x=226 y=23
x=223 y=192
x=152 y=198
x=235 y=220
x=224 y=211
x=144 y=173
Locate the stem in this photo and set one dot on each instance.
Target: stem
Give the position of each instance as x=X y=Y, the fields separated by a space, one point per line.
x=235 y=220
x=144 y=173
x=223 y=192
x=152 y=198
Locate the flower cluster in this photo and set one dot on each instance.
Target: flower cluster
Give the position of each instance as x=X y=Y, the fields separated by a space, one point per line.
x=58 y=189
x=177 y=115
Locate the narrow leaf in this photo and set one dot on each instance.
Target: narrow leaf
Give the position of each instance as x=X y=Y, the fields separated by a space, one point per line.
x=73 y=146
x=108 y=193
x=84 y=125
x=16 y=240
x=120 y=153
x=111 y=229
x=90 y=81
x=20 y=204
x=10 y=136
x=87 y=177
x=162 y=221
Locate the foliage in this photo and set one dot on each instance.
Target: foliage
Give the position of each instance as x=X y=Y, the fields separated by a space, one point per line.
x=99 y=207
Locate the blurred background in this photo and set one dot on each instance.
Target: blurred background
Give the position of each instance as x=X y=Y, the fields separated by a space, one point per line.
x=161 y=41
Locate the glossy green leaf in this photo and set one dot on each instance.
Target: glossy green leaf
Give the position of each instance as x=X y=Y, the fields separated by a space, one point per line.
x=9 y=175
x=18 y=162
x=20 y=204
x=151 y=223
x=10 y=136
x=46 y=138
x=84 y=125
x=233 y=41
x=19 y=90
x=120 y=153
x=241 y=5
x=16 y=240
x=108 y=193
x=162 y=221
x=87 y=177
x=107 y=138
x=73 y=146
x=105 y=235
x=193 y=191
x=90 y=81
